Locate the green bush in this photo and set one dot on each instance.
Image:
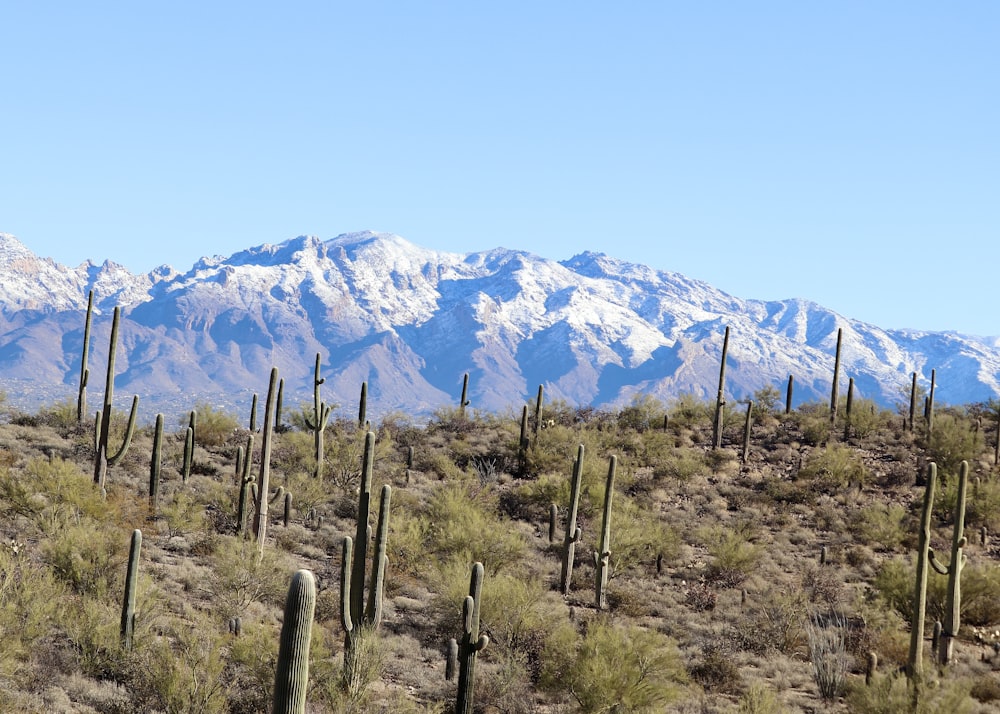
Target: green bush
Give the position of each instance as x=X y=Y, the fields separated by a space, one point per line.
x=834 y=467
x=882 y=526
x=734 y=557
x=892 y=694
x=954 y=439
x=615 y=668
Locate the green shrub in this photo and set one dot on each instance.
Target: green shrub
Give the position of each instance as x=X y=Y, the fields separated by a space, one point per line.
x=615 y=667
x=467 y=524
x=834 y=467
x=882 y=526
x=954 y=439
x=895 y=581
x=734 y=557
x=643 y=413
x=891 y=694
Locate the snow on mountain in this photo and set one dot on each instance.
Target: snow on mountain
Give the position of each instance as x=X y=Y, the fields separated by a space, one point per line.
x=411 y=321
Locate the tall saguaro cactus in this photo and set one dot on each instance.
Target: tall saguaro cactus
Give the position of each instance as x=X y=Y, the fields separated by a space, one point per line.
x=471 y=644
x=602 y=557
x=915 y=661
x=127 y=627
x=103 y=426
x=572 y=532
x=834 y=393
x=953 y=604
x=930 y=404
x=291 y=678
x=317 y=422
x=363 y=405
x=720 y=398
x=260 y=516
x=538 y=411
x=358 y=617
x=155 y=461
x=81 y=399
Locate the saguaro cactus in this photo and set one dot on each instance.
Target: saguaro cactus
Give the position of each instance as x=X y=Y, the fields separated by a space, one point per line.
x=463 y=401
x=913 y=400
x=720 y=398
x=745 y=453
x=189 y=445
x=103 y=425
x=471 y=644
x=317 y=422
x=81 y=399
x=572 y=532
x=260 y=516
x=363 y=405
x=915 y=661
x=155 y=461
x=953 y=604
x=788 y=394
x=244 y=479
x=127 y=627
x=930 y=405
x=834 y=394
x=602 y=556
x=358 y=617
x=291 y=679
x=538 y=411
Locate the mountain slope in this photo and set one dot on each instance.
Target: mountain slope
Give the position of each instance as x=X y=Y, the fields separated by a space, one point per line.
x=410 y=321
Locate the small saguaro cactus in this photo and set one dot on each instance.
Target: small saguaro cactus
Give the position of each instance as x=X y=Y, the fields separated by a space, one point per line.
x=260 y=516
x=953 y=604
x=155 y=461
x=913 y=401
x=102 y=427
x=127 y=627
x=720 y=397
x=316 y=422
x=572 y=532
x=471 y=644
x=849 y=409
x=929 y=406
x=538 y=411
x=363 y=405
x=788 y=394
x=291 y=678
x=835 y=392
x=463 y=401
x=602 y=556
x=745 y=453
x=81 y=399
x=188 y=461
x=915 y=660
x=253 y=413
x=358 y=617
x=244 y=479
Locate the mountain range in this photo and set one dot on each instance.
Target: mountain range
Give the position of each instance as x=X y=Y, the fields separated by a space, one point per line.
x=410 y=322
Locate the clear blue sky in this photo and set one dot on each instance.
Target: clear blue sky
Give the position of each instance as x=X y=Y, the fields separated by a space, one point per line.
x=848 y=152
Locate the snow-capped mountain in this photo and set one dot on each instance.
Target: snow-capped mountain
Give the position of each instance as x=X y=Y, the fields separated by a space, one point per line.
x=410 y=322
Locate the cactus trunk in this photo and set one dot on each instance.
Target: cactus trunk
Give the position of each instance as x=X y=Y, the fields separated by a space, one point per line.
x=291 y=679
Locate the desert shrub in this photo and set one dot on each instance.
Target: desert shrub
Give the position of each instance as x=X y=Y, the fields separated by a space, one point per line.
x=823 y=584
x=238 y=577
x=25 y=617
x=765 y=400
x=681 y=464
x=90 y=560
x=834 y=467
x=882 y=526
x=213 y=426
x=180 y=674
x=867 y=418
x=643 y=413
x=614 y=666
x=717 y=672
x=467 y=523
x=758 y=699
x=734 y=557
x=773 y=624
x=953 y=440
x=637 y=536
x=252 y=660
x=892 y=694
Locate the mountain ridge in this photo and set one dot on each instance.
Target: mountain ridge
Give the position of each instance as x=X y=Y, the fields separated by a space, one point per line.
x=595 y=330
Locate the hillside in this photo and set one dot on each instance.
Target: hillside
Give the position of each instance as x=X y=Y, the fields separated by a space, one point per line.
x=729 y=578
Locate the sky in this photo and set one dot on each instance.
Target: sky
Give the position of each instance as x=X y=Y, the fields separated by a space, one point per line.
x=846 y=153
